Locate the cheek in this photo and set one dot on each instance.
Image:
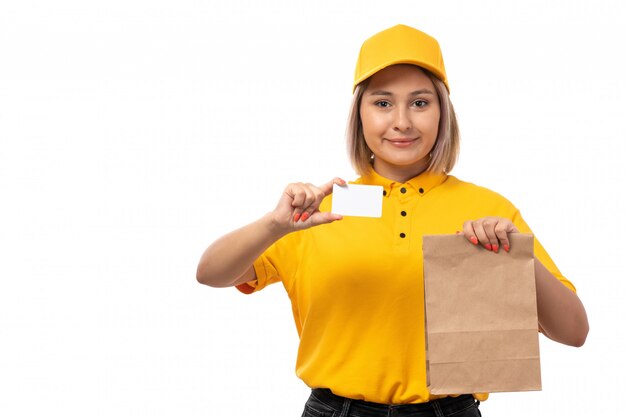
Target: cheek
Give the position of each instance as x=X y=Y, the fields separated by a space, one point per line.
x=372 y=123
x=433 y=124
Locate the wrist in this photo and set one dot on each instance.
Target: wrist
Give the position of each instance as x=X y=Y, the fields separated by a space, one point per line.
x=273 y=227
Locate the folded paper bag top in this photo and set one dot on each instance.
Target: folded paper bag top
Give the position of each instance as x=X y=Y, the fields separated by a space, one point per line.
x=481 y=316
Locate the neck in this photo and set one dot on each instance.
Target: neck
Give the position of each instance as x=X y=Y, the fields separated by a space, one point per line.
x=399 y=173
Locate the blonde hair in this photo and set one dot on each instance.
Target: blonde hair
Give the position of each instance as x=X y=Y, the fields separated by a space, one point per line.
x=445 y=151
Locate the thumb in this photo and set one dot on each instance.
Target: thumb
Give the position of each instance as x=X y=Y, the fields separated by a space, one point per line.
x=328 y=187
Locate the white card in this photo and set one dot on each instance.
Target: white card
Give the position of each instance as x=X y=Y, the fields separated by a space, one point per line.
x=358 y=200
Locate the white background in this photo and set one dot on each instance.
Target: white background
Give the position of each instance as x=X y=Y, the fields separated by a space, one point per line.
x=134 y=133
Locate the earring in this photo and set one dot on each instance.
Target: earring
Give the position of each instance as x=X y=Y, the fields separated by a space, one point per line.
x=372 y=156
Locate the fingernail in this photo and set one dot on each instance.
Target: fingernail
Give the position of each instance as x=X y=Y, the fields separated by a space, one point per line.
x=488 y=246
x=474 y=240
x=495 y=248
x=304 y=217
x=296 y=217
x=506 y=248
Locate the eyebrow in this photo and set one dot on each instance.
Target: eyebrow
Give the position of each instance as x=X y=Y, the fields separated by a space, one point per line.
x=413 y=93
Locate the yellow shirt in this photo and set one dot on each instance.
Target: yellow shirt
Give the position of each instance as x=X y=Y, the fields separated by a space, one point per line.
x=357 y=289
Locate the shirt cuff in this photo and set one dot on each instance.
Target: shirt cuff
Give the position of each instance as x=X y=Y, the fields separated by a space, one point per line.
x=261 y=277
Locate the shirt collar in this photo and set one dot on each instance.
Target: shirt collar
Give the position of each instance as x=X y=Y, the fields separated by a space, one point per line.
x=422 y=183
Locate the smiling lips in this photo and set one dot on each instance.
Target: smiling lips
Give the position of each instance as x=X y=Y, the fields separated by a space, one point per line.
x=402 y=143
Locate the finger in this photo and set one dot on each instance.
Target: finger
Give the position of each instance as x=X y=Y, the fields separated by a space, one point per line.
x=323 y=217
x=468 y=231
x=509 y=227
x=298 y=195
x=318 y=197
x=309 y=196
x=308 y=207
x=489 y=226
x=328 y=187
x=500 y=230
x=325 y=189
x=483 y=239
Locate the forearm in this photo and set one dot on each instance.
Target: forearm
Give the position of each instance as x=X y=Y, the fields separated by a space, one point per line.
x=230 y=256
x=562 y=316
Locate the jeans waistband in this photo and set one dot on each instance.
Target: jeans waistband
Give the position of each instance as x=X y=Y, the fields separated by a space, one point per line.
x=447 y=405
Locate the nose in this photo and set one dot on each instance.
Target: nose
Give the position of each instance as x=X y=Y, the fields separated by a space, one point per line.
x=402 y=121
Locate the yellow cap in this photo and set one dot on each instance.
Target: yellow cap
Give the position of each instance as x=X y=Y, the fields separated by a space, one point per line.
x=399 y=45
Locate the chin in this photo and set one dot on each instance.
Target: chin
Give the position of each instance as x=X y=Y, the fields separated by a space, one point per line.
x=405 y=162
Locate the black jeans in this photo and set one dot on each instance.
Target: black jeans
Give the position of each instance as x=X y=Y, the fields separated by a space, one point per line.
x=323 y=403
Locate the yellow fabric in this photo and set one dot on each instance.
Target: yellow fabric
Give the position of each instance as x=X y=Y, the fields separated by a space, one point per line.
x=399 y=44
x=357 y=288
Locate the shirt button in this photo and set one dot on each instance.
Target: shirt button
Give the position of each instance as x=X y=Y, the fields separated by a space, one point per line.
x=421 y=190
x=384 y=192
x=403 y=190
x=402 y=235
x=403 y=213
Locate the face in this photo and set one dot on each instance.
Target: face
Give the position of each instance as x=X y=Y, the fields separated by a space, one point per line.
x=400 y=116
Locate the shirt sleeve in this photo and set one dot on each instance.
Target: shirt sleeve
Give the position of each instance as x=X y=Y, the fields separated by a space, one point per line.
x=540 y=252
x=279 y=262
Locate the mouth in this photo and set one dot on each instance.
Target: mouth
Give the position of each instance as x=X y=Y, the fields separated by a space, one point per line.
x=402 y=143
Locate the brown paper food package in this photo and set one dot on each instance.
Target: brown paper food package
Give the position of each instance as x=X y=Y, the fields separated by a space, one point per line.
x=481 y=316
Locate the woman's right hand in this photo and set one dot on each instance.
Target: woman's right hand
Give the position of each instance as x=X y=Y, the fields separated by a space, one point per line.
x=298 y=207
x=228 y=261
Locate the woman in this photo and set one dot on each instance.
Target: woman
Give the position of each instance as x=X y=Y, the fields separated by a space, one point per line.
x=355 y=283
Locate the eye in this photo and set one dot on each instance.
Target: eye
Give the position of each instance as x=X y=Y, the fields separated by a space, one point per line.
x=420 y=103
x=382 y=103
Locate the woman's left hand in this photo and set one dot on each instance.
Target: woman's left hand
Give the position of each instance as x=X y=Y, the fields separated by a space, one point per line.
x=490 y=232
